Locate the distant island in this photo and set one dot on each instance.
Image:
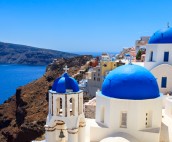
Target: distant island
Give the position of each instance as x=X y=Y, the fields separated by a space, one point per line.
x=22 y=54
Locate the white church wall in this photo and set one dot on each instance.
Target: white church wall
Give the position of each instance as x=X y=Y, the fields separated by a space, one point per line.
x=68 y=114
x=164 y=48
x=168 y=106
x=73 y=135
x=158 y=55
x=140 y=136
x=158 y=67
x=163 y=70
x=102 y=110
x=135 y=109
x=150 y=64
x=70 y=123
x=50 y=135
x=141 y=116
x=81 y=134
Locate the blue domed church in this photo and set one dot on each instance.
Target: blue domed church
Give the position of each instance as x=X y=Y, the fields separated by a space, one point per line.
x=159 y=58
x=128 y=109
x=65 y=121
x=129 y=106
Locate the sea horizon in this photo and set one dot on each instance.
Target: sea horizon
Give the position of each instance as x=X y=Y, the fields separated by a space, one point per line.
x=94 y=54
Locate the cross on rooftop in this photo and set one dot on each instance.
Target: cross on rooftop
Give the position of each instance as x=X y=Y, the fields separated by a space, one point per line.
x=66 y=69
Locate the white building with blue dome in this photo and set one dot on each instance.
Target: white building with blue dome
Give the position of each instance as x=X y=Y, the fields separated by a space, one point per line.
x=159 y=58
x=128 y=109
x=65 y=120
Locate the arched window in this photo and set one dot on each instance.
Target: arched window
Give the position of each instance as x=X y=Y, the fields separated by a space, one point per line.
x=80 y=105
x=60 y=106
x=57 y=106
x=72 y=106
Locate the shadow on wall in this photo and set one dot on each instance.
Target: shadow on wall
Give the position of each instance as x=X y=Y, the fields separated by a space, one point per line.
x=123 y=135
x=164 y=136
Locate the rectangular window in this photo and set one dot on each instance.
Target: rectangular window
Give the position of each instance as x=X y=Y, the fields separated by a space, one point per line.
x=124 y=120
x=164 y=82
x=166 y=56
x=151 y=56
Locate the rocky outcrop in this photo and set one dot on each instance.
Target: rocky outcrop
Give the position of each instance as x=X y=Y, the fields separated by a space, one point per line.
x=22 y=54
x=23 y=116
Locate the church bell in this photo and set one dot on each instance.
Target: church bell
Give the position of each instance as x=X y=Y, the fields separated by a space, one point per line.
x=61 y=134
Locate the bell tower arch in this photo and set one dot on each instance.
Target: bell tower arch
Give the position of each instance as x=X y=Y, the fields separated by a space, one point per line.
x=65 y=120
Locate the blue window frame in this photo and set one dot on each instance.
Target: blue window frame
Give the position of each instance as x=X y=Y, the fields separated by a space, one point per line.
x=164 y=82
x=166 y=56
x=151 y=56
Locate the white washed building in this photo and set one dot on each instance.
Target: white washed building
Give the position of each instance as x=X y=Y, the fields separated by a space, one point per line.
x=128 y=109
x=65 y=120
x=159 y=58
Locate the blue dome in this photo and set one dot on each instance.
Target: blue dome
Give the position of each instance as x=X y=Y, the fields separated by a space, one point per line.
x=161 y=37
x=130 y=82
x=65 y=82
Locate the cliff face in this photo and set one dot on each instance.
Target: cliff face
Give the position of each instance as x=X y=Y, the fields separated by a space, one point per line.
x=23 y=116
x=21 y=54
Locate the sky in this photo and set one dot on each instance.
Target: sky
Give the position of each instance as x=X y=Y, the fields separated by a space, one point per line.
x=82 y=25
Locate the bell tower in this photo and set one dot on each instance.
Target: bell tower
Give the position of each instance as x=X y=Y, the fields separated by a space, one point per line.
x=65 y=120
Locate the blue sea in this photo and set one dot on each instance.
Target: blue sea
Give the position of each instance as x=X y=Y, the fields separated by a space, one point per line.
x=95 y=54
x=13 y=76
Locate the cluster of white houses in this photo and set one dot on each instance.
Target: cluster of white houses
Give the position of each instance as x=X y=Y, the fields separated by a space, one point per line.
x=128 y=105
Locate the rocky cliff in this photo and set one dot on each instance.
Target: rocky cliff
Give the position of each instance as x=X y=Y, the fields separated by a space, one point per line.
x=21 y=54
x=23 y=116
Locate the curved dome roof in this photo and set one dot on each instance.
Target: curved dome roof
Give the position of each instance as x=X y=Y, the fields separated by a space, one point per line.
x=65 y=82
x=161 y=37
x=130 y=82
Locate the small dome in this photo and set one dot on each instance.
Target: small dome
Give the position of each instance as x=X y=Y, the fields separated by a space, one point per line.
x=64 y=83
x=161 y=37
x=130 y=82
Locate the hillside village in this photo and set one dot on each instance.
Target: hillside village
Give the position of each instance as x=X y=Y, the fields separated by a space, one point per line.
x=86 y=108
x=130 y=97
